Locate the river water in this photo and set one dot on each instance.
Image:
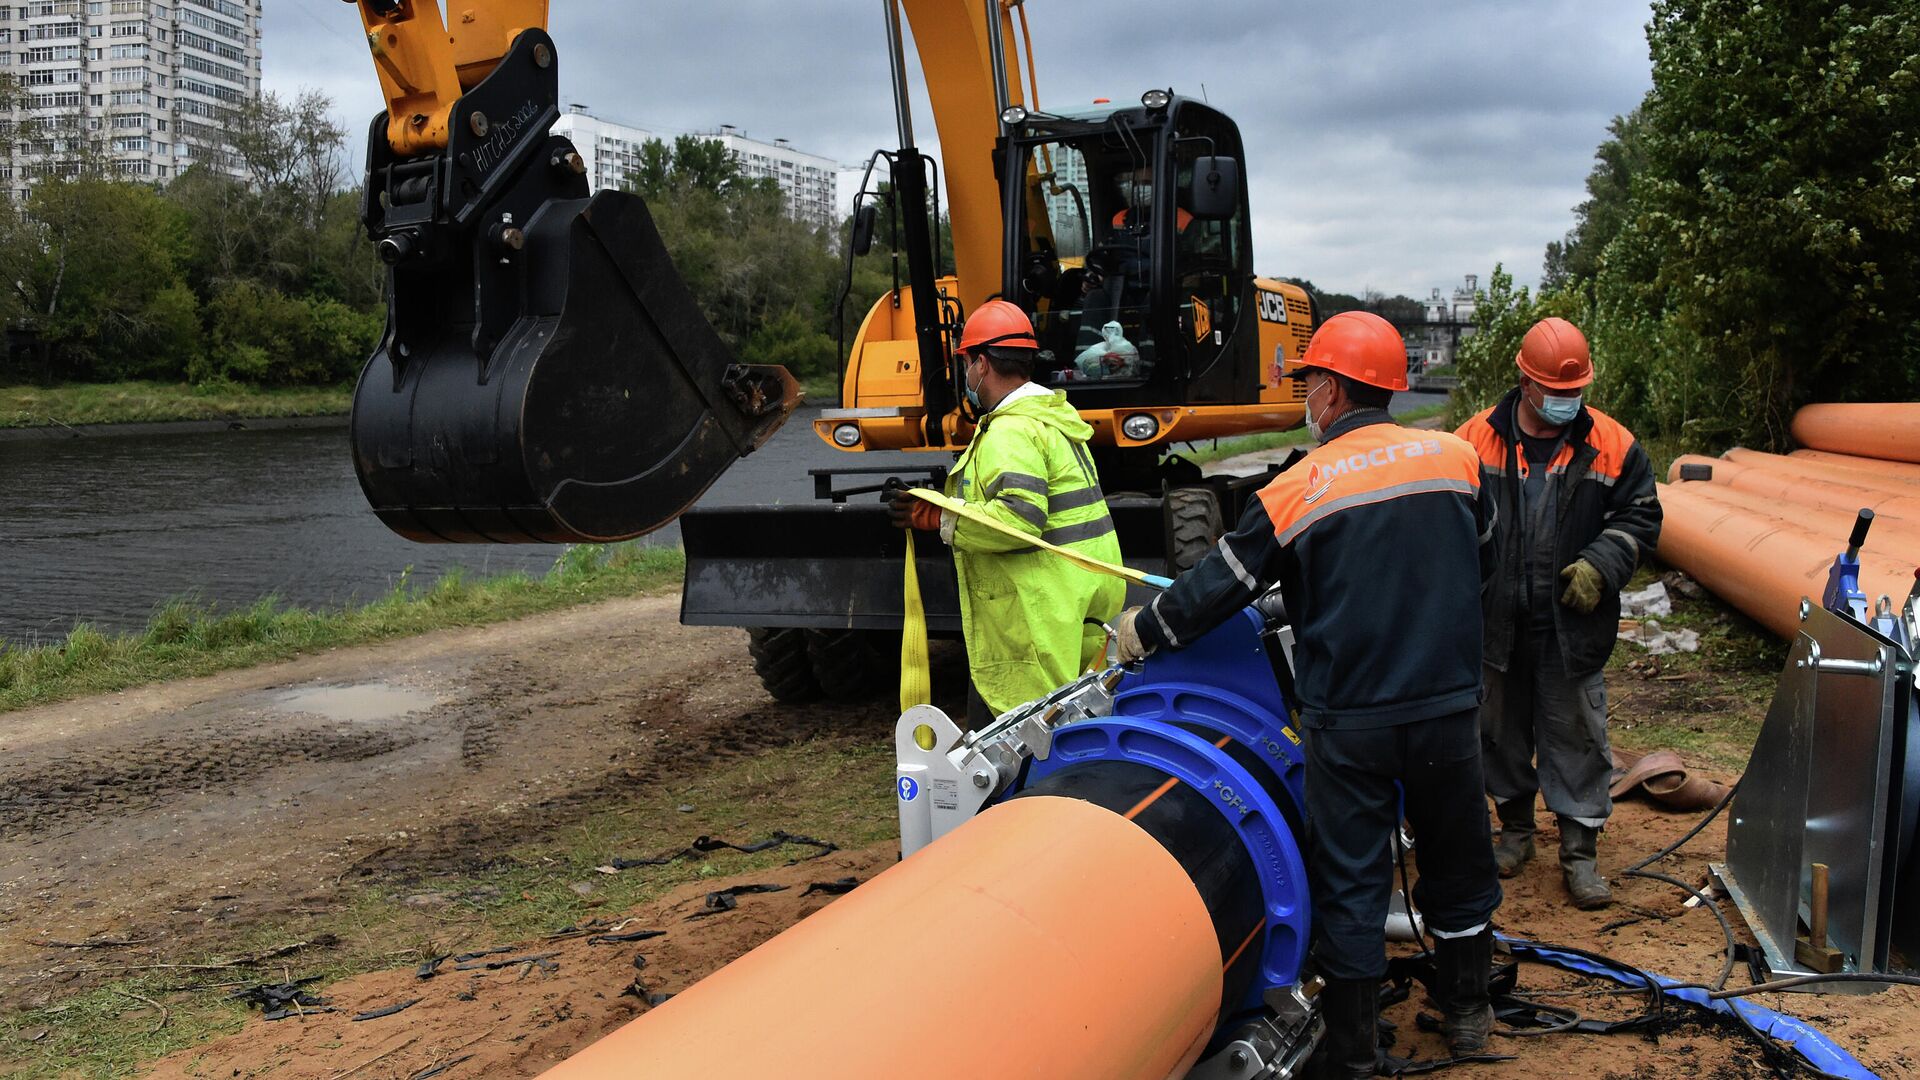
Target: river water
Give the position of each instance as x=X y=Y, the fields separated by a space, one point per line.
x=105 y=528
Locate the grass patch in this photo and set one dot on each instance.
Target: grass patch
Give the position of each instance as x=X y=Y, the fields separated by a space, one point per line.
x=184 y=639
x=146 y=402
x=834 y=788
x=822 y=390
x=1222 y=449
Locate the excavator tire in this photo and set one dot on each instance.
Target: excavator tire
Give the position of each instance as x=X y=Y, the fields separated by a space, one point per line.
x=780 y=659
x=1194 y=523
x=849 y=664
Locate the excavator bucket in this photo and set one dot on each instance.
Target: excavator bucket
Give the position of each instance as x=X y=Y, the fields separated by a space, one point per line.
x=546 y=375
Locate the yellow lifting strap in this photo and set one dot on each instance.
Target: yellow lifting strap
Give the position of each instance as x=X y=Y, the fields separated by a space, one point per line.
x=916 y=681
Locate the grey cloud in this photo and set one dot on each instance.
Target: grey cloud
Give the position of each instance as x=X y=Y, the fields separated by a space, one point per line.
x=1397 y=145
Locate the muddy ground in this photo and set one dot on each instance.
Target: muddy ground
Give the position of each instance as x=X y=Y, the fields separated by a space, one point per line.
x=158 y=826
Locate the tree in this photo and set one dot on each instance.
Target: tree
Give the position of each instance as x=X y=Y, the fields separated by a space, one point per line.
x=1768 y=250
x=99 y=278
x=1600 y=218
x=763 y=279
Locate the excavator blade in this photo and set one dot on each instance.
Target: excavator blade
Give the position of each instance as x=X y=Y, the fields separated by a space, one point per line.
x=546 y=376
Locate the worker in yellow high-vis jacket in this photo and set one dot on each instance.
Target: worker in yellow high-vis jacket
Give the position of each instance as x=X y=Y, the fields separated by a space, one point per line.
x=1024 y=614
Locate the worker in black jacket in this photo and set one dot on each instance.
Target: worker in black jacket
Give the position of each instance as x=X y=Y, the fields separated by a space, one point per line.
x=1578 y=512
x=1387 y=674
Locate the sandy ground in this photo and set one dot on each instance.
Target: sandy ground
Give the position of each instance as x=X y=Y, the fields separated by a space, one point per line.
x=188 y=809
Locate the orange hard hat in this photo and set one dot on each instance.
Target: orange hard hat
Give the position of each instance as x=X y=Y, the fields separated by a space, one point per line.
x=1360 y=345
x=1554 y=354
x=998 y=322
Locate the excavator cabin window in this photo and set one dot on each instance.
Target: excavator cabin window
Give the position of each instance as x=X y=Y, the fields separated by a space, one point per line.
x=1086 y=275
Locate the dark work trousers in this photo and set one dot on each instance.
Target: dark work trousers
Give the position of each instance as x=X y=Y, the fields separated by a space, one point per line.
x=1533 y=710
x=1353 y=808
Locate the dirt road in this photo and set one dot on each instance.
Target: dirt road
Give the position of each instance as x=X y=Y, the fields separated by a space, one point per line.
x=178 y=816
x=168 y=814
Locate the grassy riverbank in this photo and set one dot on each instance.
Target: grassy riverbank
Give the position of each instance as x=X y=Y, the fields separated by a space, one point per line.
x=75 y=404
x=185 y=640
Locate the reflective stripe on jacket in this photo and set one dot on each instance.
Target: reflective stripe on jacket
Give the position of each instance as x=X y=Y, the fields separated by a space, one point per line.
x=1607 y=513
x=1022 y=610
x=1376 y=539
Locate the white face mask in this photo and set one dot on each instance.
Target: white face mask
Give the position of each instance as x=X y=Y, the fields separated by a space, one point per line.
x=1314 y=429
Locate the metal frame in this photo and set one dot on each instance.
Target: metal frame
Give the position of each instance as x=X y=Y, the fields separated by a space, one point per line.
x=1825 y=784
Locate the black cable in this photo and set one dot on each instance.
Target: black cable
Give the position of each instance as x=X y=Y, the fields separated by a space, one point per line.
x=1691 y=833
x=1406 y=895
x=1804 y=980
x=1726 y=928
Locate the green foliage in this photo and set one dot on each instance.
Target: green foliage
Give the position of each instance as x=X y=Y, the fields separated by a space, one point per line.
x=1400 y=310
x=263 y=337
x=97 y=264
x=265 y=279
x=1752 y=240
x=763 y=279
x=1501 y=318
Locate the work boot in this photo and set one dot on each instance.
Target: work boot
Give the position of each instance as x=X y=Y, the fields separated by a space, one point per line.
x=1351 y=1008
x=1461 y=967
x=1514 y=846
x=1577 y=852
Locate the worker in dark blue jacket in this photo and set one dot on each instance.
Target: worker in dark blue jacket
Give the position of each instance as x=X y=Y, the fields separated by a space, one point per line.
x=1387 y=675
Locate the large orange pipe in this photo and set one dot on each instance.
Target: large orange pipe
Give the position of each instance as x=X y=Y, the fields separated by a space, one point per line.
x=1886 y=471
x=1830 y=468
x=1823 y=506
x=1048 y=938
x=1761 y=566
x=1886 y=430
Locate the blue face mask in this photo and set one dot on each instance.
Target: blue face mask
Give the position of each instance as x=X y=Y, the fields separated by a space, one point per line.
x=973 y=396
x=1560 y=411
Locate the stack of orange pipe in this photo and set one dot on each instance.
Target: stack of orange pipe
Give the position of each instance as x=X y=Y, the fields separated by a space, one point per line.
x=1764 y=530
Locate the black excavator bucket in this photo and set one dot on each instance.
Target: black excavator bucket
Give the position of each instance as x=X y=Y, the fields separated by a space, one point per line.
x=546 y=376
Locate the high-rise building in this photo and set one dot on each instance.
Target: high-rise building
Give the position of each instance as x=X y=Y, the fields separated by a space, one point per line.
x=146 y=84
x=612 y=150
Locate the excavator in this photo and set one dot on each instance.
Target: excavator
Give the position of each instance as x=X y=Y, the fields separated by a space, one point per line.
x=546 y=376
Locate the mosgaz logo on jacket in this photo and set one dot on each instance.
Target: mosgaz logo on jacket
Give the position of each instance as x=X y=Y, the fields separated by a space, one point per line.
x=1322 y=474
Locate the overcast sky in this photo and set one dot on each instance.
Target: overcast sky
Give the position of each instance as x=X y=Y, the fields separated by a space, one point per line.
x=1390 y=145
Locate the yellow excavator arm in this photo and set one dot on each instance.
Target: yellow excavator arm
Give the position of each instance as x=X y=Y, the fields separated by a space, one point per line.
x=426 y=61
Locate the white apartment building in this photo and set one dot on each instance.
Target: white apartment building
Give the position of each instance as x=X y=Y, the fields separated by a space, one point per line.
x=149 y=79
x=612 y=150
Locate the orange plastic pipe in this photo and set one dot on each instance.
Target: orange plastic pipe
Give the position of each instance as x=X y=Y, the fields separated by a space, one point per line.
x=1830 y=468
x=1047 y=938
x=1780 y=493
x=1892 y=471
x=1763 y=566
x=1886 y=430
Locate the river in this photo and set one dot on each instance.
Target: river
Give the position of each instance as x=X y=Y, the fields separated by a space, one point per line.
x=104 y=528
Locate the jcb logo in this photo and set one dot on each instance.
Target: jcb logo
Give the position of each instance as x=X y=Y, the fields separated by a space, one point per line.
x=1273 y=307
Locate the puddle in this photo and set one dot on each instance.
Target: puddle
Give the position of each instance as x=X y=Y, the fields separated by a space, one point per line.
x=362 y=701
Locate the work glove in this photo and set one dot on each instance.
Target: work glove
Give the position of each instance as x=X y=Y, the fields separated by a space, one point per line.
x=1585 y=586
x=1126 y=637
x=907 y=511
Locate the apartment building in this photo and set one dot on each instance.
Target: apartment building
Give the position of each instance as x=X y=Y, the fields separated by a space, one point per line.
x=612 y=150
x=145 y=82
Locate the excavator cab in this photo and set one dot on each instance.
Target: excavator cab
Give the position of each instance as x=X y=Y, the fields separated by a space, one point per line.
x=545 y=375
x=1128 y=243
